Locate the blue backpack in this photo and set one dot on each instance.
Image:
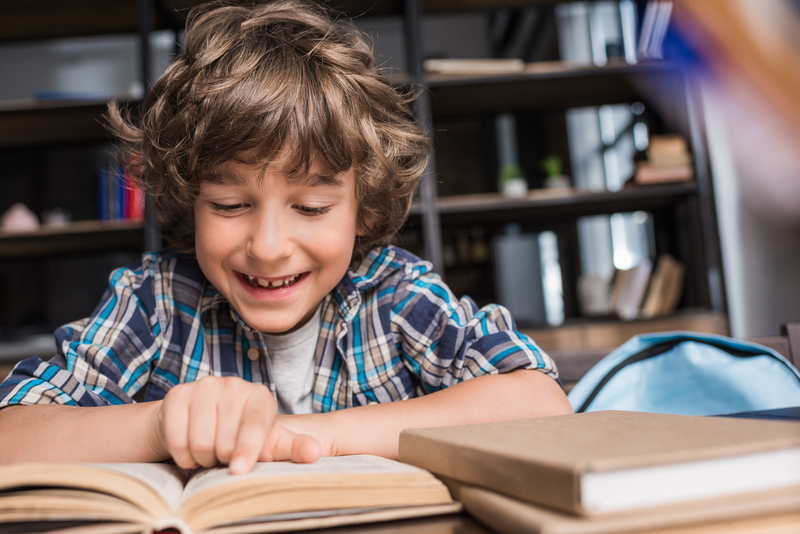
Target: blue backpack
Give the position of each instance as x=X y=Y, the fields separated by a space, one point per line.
x=688 y=373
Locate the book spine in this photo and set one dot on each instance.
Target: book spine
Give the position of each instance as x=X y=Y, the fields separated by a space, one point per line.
x=121 y=196
x=125 y=200
x=111 y=196
x=102 y=194
x=136 y=199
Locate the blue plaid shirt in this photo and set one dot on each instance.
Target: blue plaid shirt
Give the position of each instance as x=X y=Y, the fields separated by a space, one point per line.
x=390 y=330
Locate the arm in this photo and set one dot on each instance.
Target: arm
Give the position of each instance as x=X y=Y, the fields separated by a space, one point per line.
x=214 y=420
x=462 y=365
x=80 y=405
x=375 y=429
x=54 y=432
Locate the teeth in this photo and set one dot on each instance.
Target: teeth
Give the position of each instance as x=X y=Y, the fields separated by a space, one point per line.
x=273 y=284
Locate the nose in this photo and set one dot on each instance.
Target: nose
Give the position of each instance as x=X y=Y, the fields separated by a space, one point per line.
x=270 y=237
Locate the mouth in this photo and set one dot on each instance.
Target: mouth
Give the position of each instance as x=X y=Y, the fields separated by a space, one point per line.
x=271 y=283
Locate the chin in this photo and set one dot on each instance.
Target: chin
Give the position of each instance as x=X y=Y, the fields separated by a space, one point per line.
x=277 y=326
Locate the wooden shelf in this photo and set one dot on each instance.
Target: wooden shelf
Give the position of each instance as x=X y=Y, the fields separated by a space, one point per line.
x=546 y=85
x=39 y=122
x=561 y=203
x=51 y=19
x=76 y=237
x=44 y=19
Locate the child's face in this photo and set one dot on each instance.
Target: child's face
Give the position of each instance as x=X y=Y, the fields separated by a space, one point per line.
x=272 y=247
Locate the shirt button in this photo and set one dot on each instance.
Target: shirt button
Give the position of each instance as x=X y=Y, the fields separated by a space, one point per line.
x=253 y=353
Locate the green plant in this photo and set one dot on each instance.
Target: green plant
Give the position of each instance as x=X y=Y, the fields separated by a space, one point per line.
x=510 y=172
x=551 y=165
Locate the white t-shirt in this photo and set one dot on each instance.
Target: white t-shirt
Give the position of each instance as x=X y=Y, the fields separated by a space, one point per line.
x=291 y=365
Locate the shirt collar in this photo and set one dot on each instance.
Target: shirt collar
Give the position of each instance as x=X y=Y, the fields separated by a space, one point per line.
x=376 y=266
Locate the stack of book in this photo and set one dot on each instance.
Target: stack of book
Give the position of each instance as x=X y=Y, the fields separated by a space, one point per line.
x=668 y=160
x=644 y=293
x=614 y=472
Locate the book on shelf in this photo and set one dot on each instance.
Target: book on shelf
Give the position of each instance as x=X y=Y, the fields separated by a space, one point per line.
x=473 y=66
x=118 y=196
x=665 y=288
x=655 y=25
x=648 y=174
x=613 y=462
x=668 y=160
x=629 y=288
x=276 y=496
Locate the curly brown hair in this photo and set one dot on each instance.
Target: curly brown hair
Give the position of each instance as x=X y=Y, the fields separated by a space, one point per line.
x=255 y=80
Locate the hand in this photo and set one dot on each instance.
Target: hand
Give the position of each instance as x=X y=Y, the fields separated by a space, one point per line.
x=320 y=426
x=226 y=420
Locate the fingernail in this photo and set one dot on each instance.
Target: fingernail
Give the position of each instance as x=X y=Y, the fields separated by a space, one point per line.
x=237 y=466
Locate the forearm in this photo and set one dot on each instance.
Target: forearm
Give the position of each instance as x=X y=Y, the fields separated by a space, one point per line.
x=375 y=429
x=79 y=434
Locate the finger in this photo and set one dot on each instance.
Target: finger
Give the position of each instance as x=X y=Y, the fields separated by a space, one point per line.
x=203 y=425
x=305 y=449
x=283 y=444
x=229 y=415
x=175 y=427
x=255 y=424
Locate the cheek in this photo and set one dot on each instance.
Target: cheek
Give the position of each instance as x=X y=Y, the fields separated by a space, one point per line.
x=212 y=237
x=332 y=243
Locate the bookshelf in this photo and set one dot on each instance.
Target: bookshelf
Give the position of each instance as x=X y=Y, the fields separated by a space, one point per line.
x=51 y=150
x=462 y=198
x=459 y=111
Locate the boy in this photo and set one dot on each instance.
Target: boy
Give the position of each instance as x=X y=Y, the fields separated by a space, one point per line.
x=281 y=163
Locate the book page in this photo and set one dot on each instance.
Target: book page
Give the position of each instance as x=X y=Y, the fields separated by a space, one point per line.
x=215 y=497
x=167 y=480
x=207 y=478
x=154 y=488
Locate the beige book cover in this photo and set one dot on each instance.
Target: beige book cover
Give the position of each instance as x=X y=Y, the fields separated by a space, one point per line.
x=278 y=496
x=665 y=287
x=474 y=66
x=776 y=511
x=612 y=461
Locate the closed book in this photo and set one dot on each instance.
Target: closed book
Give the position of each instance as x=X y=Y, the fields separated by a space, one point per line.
x=665 y=287
x=652 y=174
x=627 y=300
x=772 y=512
x=612 y=461
x=474 y=66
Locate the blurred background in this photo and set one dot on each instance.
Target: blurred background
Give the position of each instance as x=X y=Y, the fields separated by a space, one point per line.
x=601 y=168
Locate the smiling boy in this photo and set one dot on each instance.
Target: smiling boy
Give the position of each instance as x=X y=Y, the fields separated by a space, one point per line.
x=280 y=325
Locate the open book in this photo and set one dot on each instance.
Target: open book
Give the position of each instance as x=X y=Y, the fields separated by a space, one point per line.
x=275 y=496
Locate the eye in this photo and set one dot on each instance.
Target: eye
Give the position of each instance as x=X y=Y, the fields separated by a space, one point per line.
x=227 y=208
x=308 y=210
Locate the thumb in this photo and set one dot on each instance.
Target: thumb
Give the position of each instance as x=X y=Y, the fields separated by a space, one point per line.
x=283 y=444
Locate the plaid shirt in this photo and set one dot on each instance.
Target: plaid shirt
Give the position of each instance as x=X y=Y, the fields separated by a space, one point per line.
x=390 y=330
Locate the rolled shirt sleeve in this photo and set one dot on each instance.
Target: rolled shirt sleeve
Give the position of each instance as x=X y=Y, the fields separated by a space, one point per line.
x=101 y=360
x=446 y=340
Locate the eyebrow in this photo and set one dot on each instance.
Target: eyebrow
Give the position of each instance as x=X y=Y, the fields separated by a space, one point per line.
x=314 y=179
